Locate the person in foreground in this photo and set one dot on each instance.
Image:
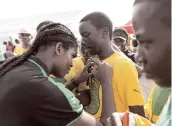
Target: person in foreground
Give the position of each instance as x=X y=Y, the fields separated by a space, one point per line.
x=35 y=99
x=96 y=30
x=152 y=25
x=156 y=101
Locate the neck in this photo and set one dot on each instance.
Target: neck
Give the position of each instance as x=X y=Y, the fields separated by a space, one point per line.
x=46 y=60
x=106 y=50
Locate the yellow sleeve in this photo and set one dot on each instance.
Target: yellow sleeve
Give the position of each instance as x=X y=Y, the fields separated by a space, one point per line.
x=141 y=121
x=148 y=104
x=71 y=75
x=133 y=91
x=75 y=70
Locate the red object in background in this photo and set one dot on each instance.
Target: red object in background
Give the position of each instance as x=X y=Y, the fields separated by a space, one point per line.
x=10 y=48
x=128 y=27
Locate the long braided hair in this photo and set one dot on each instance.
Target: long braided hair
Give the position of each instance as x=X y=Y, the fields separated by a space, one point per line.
x=46 y=36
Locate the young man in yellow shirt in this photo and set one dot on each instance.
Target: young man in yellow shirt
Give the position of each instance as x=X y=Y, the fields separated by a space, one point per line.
x=152 y=25
x=96 y=31
x=25 y=38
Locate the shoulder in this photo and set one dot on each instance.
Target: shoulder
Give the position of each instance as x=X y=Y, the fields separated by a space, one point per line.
x=18 y=46
x=28 y=85
x=120 y=59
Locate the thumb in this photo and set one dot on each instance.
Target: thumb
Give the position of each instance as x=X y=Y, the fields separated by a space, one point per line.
x=96 y=60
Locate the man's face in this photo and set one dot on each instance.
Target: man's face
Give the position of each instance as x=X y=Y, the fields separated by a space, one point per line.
x=154 y=43
x=91 y=36
x=121 y=43
x=25 y=38
x=120 y=39
x=86 y=52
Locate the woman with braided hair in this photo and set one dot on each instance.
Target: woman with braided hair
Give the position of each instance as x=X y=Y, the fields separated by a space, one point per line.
x=35 y=99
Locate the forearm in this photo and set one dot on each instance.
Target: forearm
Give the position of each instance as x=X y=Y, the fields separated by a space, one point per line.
x=73 y=84
x=70 y=86
x=108 y=104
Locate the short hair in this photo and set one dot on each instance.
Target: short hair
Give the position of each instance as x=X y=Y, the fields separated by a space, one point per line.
x=5 y=43
x=42 y=24
x=167 y=3
x=99 y=20
x=163 y=7
x=122 y=32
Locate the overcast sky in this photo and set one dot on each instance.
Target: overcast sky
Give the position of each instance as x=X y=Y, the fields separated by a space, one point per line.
x=118 y=10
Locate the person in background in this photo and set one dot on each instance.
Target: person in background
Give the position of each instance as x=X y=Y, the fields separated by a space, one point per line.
x=96 y=31
x=3 y=47
x=34 y=99
x=5 y=43
x=17 y=41
x=120 y=38
x=5 y=56
x=87 y=89
x=156 y=102
x=152 y=24
x=44 y=23
x=25 y=38
x=10 y=46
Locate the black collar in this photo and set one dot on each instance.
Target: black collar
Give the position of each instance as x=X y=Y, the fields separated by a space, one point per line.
x=38 y=61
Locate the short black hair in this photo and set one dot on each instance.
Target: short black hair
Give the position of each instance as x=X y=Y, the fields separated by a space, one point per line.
x=99 y=20
x=163 y=7
x=120 y=32
x=42 y=24
x=5 y=43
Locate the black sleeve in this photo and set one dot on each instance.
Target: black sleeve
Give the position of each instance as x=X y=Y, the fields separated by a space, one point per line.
x=54 y=105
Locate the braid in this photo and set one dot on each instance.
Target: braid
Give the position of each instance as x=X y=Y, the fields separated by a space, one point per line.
x=51 y=33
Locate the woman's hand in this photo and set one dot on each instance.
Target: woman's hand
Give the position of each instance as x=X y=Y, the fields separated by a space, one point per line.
x=85 y=74
x=102 y=71
x=121 y=119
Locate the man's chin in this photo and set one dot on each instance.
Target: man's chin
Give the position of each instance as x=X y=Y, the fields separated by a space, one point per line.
x=162 y=83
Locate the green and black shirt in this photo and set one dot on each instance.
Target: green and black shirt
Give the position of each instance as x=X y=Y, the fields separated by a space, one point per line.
x=28 y=97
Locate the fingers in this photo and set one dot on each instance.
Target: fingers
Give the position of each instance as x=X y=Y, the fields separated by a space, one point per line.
x=96 y=60
x=89 y=65
x=116 y=119
x=108 y=122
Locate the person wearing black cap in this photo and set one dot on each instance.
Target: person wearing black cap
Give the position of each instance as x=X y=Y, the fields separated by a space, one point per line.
x=120 y=38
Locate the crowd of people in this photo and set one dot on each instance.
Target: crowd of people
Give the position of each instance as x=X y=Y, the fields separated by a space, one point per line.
x=46 y=83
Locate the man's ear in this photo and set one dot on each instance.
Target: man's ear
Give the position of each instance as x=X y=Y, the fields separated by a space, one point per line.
x=105 y=32
x=59 y=48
